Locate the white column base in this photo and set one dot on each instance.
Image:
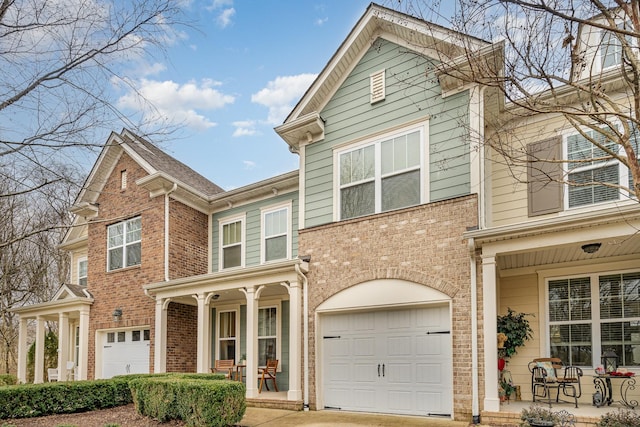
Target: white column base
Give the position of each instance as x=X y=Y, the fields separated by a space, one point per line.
x=492 y=405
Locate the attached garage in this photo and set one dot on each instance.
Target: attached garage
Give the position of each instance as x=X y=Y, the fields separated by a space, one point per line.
x=396 y=362
x=125 y=352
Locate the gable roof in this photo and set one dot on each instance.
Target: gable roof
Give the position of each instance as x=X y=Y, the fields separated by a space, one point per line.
x=304 y=123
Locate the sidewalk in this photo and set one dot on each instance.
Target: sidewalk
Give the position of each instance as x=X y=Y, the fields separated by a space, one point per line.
x=281 y=418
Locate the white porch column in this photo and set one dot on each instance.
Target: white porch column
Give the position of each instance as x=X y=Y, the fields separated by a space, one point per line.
x=82 y=370
x=22 y=351
x=252 y=343
x=490 y=313
x=204 y=324
x=63 y=345
x=160 y=338
x=39 y=362
x=295 y=356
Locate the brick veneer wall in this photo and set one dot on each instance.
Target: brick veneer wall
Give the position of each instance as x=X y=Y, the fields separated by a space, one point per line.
x=182 y=326
x=123 y=288
x=422 y=244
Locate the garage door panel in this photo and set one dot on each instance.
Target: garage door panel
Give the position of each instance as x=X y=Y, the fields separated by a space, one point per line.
x=400 y=401
x=399 y=320
x=339 y=372
x=364 y=346
x=365 y=372
x=399 y=373
x=432 y=402
x=363 y=322
x=400 y=346
x=433 y=345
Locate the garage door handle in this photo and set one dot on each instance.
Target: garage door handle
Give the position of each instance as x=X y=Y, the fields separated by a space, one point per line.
x=383 y=369
x=378 y=369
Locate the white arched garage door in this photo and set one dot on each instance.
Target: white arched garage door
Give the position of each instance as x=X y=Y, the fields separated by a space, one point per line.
x=125 y=352
x=387 y=359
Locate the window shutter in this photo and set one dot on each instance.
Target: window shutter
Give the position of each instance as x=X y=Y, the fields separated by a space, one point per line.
x=544 y=189
x=377 y=82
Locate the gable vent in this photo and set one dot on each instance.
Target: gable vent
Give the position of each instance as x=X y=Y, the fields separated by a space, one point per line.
x=377 y=83
x=123 y=179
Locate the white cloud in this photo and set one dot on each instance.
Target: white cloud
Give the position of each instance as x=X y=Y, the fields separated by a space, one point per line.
x=224 y=19
x=245 y=128
x=176 y=103
x=320 y=21
x=248 y=164
x=280 y=95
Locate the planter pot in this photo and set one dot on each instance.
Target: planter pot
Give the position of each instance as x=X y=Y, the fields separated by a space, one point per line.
x=501 y=364
x=541 y=423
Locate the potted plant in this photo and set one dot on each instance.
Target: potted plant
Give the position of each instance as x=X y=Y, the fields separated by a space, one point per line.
x=537 y=416
x=517 y=329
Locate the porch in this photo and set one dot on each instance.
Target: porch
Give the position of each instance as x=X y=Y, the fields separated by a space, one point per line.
x=587 y=415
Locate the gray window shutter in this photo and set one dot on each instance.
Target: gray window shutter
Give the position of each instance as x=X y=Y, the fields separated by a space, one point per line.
x=543 y=177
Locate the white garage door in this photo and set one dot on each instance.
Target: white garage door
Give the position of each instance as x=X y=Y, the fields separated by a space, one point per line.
x=125 y=352
x=396 y=362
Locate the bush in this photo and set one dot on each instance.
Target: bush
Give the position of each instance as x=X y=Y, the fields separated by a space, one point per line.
x=620 y=418
x=35 y=400
x=8 y=379
x=198 y=402
x=537 y=414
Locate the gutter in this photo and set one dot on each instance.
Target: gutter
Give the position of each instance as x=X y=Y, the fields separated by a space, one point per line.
x=305 y=337
x=475 y=394
x=166 y=231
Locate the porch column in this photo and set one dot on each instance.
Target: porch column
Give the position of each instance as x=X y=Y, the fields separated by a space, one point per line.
x=490 y=313
x=39 y=362
x=160 y=338
x=82 y=370
x=252 y=343
x=63 y=345
x=22 y=351
x=295 y=357
x=204 y=322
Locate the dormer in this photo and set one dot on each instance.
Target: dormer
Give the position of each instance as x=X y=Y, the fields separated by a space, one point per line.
x=599 y=50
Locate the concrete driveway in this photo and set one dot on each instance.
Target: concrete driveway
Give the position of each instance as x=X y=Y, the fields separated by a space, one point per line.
x=281 y=418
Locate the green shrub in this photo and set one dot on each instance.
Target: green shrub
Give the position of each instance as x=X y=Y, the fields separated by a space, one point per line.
x=34 y=400
x=620 y=418
x=8 y=379
x=198 y=402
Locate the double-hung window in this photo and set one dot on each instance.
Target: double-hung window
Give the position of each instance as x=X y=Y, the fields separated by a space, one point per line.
x=275 y=229
x=592 y=178
x=231 y=243
x=227 y=335
x=381 y=176
x=124 y=244
x=611 y=47
x=267 y=334
x=82 y=271
x=592 y=314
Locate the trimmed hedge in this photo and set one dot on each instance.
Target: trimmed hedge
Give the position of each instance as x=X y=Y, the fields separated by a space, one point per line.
x=198 y=402
x=35 y=400
x=8 y=379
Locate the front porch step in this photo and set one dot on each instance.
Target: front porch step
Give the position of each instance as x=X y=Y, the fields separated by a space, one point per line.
x=512 y=419
x=290 y=405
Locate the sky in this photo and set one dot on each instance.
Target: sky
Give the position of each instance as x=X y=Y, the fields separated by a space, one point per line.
x=236 y=76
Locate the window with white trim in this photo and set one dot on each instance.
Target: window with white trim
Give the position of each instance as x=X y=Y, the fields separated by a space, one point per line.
x=610 y=49
x=594 y=313
x=227 y=335
x=592 y=181
x=267 y=334
x=380 y=176
x=124 y=244
x=82 y=271
x=275 y=231
x=231 y=243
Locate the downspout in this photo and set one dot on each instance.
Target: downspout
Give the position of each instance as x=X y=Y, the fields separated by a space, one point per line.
x=475 y=406
x=305 y=337
x=166 y=231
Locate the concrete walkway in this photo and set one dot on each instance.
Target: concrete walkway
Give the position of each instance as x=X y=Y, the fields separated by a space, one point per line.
x=281 y=418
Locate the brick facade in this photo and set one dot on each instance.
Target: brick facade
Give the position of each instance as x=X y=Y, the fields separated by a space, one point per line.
x=123 y=288
x=182 y=328
x=423 y=245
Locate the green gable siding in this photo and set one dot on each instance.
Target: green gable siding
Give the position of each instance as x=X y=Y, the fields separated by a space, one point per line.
x=412 y=93
x=253 y=224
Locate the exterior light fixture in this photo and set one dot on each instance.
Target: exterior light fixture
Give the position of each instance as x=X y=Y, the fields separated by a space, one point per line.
x=610 y=361
x=117 y=314
x=216 y=296
x=591 y=248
